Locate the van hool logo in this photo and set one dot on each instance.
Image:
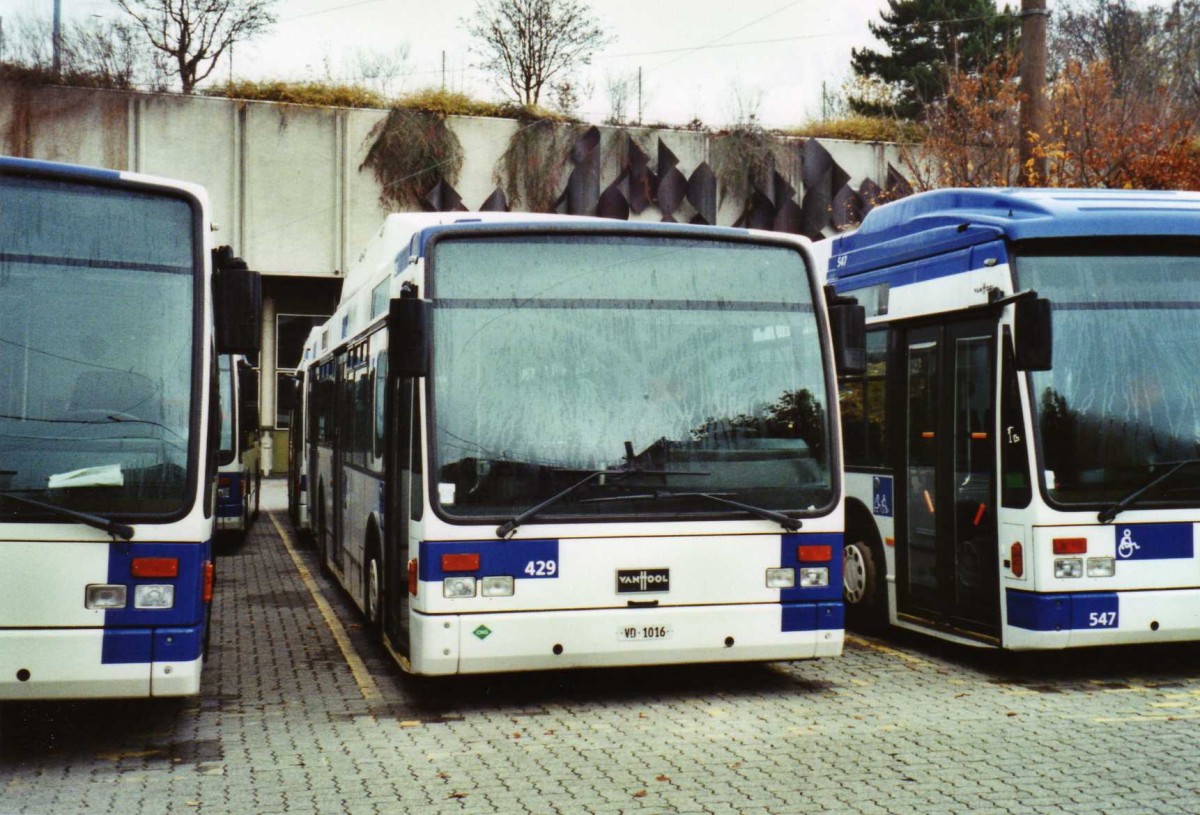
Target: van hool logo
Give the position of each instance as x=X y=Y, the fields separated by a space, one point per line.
x=643 y=581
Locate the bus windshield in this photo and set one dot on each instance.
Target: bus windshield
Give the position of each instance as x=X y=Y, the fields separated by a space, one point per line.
x=688 y=368
x=1121 y=404
x=97 y=318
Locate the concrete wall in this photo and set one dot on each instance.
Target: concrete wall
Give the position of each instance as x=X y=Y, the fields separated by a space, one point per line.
x=284 y=180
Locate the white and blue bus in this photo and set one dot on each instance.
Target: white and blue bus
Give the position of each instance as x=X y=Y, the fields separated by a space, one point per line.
x=1022 y=446
x=108 y=421
x=539 y=442
x=239 y=476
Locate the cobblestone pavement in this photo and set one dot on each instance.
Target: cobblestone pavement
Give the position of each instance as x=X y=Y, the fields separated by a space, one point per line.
x=287 y=724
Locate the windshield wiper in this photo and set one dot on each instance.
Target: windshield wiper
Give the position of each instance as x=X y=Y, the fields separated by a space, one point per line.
x=787 y=522
x=1108 y=514
x=123 y=531
x=508 y=527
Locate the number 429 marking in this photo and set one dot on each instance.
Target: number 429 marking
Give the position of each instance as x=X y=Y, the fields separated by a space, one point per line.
x=541 y=568
x=1102 y=619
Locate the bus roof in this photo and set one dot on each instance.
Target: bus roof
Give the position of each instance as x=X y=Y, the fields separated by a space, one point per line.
x=940 y=221
x=78 y=172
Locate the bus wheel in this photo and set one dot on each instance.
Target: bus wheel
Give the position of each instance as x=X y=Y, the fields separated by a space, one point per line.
x=373 y=593
x=863 y=586
x=322 y=532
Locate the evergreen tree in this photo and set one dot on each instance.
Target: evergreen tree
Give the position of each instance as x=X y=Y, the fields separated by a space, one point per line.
x=925 y=41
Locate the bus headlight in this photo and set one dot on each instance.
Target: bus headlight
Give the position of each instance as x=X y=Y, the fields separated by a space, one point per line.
x=458 y=587
x=1101 y=566
x=815 y=577
x=497 y=586
x=1068 y=567
x=105 y=595
x=781 y=578
x=154 y=596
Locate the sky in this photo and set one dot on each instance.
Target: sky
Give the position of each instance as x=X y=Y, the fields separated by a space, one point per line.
x=713 y=60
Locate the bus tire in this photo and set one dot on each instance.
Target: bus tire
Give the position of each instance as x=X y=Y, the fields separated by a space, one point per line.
x=373 y=590
x=863 y=583
x=322 y=549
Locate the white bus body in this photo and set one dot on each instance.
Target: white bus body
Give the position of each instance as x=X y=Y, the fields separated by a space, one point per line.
x=107 y=424
x=1001 y=499
x=606 y=459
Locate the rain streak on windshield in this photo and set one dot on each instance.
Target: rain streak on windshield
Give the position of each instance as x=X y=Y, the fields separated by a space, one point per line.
x=1121 y=404
x=96 y=350
x=696 y=362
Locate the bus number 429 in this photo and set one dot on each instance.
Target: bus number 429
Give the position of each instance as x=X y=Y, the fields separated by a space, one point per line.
x=1102 y=619
x=541 y=568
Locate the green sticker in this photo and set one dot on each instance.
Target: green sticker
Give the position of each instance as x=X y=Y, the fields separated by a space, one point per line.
x=483 y=632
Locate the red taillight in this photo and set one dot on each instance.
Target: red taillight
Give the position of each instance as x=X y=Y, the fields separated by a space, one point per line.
x=1016 y=558
x=224 y=481
x=460 y=563
x=412 y=577
x=210 y=578
x=814 y=554
x=155 y=567
x=1070 y=546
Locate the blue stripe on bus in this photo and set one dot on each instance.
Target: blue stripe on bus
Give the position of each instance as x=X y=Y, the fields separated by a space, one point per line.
x=523 y=559
x=133 y=635
x=231 y=507
x=1153 y=541
x=812 y=616
x=1064 y=611
x=788 y=558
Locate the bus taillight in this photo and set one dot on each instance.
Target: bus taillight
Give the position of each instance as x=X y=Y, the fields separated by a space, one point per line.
x=155 y=567
x=412 y=577
x=460 y=563
x=1016 y=557
x=1070 y=546
x=814 y=554
x=210 y=577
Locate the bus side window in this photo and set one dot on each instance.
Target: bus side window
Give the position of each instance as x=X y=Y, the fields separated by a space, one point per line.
x=862 y=401
x=1015 y=489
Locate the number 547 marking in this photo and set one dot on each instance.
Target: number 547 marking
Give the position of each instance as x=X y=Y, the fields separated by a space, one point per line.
x=1102 y=619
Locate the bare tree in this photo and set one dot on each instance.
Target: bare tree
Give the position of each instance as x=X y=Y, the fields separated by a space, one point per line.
x=621 y=90
x=383 y=71
x=530 y=44
x=194 y=34
x=93 y=53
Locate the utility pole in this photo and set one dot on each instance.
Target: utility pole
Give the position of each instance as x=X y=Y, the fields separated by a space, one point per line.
x=639 y=121
x=1033 y=89
x=56 y=40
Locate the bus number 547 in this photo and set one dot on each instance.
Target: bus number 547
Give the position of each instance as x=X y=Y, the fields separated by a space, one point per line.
x=1102 y=619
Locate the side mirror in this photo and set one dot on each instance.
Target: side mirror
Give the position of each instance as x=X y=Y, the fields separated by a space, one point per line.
x=408 y=336
x=1034 y=334
x=848 y=324
x=237 y=304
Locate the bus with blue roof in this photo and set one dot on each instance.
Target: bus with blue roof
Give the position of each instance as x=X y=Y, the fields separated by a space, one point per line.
x=1023 y=443
x=113 y=308
x=542 y=442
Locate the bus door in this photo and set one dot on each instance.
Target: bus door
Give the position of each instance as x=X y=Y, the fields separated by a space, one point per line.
x=402 y=465
x=946 y=543
x=343 y=416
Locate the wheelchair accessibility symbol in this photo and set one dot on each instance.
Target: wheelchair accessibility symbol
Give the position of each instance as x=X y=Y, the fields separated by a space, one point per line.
x=881 y=503
x=1127 y=545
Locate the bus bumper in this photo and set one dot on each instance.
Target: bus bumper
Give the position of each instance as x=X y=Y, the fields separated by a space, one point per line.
x=521 y=641
x=1082 y=619
x=70 y=664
